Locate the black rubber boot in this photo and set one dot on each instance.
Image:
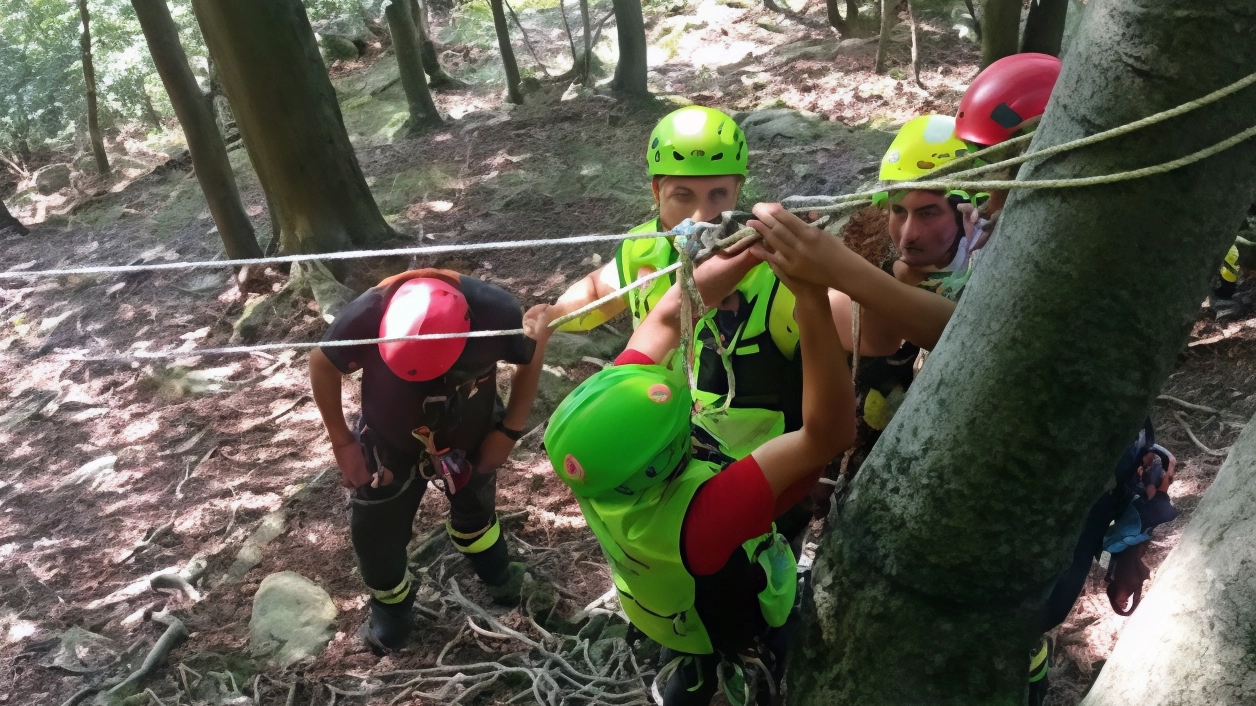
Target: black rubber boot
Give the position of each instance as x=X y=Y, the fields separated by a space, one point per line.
x=389 y=625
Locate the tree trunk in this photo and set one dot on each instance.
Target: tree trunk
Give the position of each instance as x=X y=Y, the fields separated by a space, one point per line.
x=89 y=78
x=150 y=112
x=1190 y=643
x=1044 y=27
x=1000 y=30
x=630 y=72
x=587 y=63
x=209 y=154
x=406 y=46
x=286 y=111
x=887 y=23
x=8 y=220
x=513 y=94
x=431 y=62
x=930 y=583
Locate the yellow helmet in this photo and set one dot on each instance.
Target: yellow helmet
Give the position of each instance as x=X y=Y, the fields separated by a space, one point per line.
x=921 y=146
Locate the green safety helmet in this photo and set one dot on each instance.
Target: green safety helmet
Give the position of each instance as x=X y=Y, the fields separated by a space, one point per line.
x=922 y=145
x=697 y=141
x=621 y=431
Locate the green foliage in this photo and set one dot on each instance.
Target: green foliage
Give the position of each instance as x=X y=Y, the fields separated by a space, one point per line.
x=42 y=93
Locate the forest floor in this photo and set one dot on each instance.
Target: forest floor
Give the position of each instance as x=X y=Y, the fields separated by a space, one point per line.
x=118 y=470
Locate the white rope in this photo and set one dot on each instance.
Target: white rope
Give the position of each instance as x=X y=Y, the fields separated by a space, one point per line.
x=306 y=345
x=346 y=255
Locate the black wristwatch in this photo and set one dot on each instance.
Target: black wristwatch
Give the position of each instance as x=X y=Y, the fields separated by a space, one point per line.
x=512 y=434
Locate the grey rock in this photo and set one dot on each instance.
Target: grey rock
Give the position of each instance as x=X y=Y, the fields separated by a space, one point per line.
x=293 y=618
x=337 y=48
x=350 y=27
x=82 y=651
x=52 y=178
x=762 y=127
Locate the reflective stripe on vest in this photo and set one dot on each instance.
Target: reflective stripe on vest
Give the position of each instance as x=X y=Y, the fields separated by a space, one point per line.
x=634 y=255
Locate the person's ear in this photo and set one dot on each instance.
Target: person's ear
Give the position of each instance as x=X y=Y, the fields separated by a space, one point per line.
x=656 y=185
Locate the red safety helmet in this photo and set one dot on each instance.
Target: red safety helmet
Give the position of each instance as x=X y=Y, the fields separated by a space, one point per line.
x=424 y=305
x=1005 y=96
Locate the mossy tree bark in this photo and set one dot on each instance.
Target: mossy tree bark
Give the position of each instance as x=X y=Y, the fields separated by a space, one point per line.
x=8 y=220
x=1191 y=642
x=209 y=153
x=1000 y=29
x=513 y=94
x=287 y=114
x=630 y=72
x=406 y=46
x=1044 y=27
x=931 y=581
x=89 y=78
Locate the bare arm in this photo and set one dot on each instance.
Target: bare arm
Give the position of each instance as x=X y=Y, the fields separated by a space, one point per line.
x=828 y=401
x=718 y=276
x=875 y=337
x=325 y=382
x=808 y=253
x=589 y=289
x=523 y=385
x=659 y=334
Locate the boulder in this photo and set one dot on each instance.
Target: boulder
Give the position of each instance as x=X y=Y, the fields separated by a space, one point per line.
x=343 y=37
x=52 y=178
x=337 y=48
x=762 y=127
x=293 y=618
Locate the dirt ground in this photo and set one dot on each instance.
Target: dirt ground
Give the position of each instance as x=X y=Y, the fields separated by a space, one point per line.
x=116 y=470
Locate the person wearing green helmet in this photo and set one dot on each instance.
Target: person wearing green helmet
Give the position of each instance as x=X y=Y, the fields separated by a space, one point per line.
x=694 y=555
x=697 y=159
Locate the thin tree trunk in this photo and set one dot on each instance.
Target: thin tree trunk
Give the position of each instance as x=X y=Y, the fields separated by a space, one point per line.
x=630 y=72
x=405 y=39
x=1000 y=30
x=887 y=24
x=915 y=56
x=8 y=220
x=286 y=111
x=89 y=78
x=587 y=66
x=1044 y=27
x=1190 y=642
x=972 y=12
x=209 y=154
x=571 y=39
x=150 y=113
x=930 y=583
x=513 y=94
x=431 y=62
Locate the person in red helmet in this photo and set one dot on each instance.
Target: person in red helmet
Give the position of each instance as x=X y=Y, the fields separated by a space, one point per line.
x=1006 y=99
x=430 y=412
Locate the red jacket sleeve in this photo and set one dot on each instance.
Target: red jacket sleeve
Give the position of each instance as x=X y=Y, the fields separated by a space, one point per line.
x=731 y=508
x=633 y=357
